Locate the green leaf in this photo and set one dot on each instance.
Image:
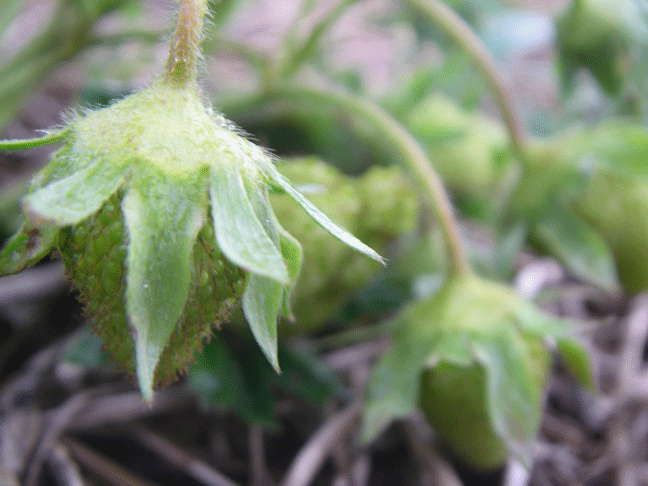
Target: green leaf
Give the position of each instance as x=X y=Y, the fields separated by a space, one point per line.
x=217 y=375
x=394 y=388
x=305 y=376
x=227 y=377
x=509 y=244
x=261 y=301
x=535 y=322
x=242 y=238
x=577 y=360
x=70 y=200
x=27 y=247
x=293 y=255
x=581 y=249
x=48 y=138
x=163 y=215
x=9 y=10
x=88 y=350
x=513 y=398
x=321 y=219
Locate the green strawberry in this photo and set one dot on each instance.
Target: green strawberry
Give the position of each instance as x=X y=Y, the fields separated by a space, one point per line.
x=473 y=358
x=94 y=253
x=597 y=34
x=469 y=150
x=378 y=206
x=160 y=210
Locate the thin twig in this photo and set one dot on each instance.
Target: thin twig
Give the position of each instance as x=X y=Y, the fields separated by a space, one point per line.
x=123 y=407
x=171 y=453
x=57 y=421
x=102 y=466
x=259 y=474
x=63 y=468
x=310 y=459
x=429 y=461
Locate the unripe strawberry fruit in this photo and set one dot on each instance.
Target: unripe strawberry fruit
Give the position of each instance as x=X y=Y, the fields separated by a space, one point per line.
x=455 y=400
x=94 y=253
x=160 y=210
x=473 y=358
x=377 y=206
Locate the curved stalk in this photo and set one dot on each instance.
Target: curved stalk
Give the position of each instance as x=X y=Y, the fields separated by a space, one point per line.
x=407 y=147
x=33 y=142
x=461 y=33
x=297 y=57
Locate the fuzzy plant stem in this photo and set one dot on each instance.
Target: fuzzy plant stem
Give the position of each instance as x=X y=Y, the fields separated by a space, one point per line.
x=184 y=51
x=411 y=153
x=461 y=33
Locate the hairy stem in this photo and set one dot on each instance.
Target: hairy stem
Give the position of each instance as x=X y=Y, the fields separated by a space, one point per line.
x=184 y=51
x=406 y=146
x=461 y=33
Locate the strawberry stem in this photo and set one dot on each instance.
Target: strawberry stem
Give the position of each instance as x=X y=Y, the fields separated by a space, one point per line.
x=184 y=51
x=411 y=154
x=463 y=35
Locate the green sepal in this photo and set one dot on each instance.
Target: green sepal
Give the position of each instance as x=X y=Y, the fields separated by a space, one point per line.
x=48 y=138
x=454 y=347
x=27 y=247
x=512 y=394
x=578 y=246
x=71 y=200
x=163 y=216
x=261 y=302
x=242 y=238
x=321 y=219
x=305 y=375
x=394 y=388
x=289 y=247
x=574 y=355
x=263 y=296
x=293 y=254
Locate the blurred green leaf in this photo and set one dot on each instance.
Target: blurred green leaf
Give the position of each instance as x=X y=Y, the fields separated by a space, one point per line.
x=224 y=379
x=596 y=34
x=577 y=246
x=233 y=374
x=8 y=12
x=394 y=387
x=305 y=376
x=88 y=350
x=217 y=377
x=577 y=361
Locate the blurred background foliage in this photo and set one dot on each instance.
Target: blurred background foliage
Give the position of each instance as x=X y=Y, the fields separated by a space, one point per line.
x=575 y=189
